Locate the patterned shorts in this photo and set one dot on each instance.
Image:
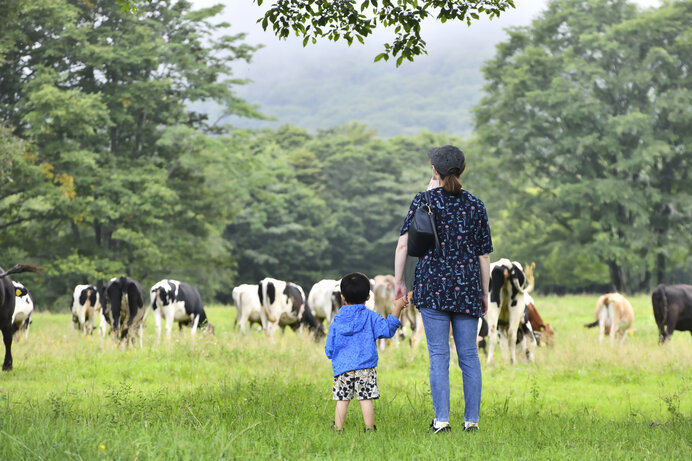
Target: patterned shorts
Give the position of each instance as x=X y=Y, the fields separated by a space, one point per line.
x=362 y=383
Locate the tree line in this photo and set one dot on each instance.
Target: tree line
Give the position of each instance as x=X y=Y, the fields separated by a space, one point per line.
x=580 y=152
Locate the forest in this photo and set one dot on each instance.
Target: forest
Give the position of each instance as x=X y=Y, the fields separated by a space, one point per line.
x=580 y=149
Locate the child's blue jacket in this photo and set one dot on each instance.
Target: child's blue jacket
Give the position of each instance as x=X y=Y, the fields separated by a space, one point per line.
x=352 y=334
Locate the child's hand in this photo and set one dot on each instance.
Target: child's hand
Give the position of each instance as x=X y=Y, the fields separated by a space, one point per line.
x=401 y=303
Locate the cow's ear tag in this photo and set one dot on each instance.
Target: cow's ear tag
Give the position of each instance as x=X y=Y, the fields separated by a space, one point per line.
x=18 y=291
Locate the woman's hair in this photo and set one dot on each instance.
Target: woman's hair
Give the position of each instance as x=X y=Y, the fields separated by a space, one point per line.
x=451 y=183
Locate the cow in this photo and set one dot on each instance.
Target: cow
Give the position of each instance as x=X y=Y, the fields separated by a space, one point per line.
x=8 y=300
x=526 y=338
x=672 y=309
x=614 y=315
x=86 y=305
x=382 y=294
x=542 y=331
x=369 y=303
x=284 y=304
x=122 y=303
x=325 y=300
x=180 y=302
x=247 y=302
x=383 y=290
x=23 y=307
x=506 y=306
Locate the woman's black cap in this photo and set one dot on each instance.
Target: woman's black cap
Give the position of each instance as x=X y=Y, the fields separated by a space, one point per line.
x=446 y=158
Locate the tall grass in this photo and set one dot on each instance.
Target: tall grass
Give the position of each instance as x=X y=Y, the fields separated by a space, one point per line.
x=235 y=397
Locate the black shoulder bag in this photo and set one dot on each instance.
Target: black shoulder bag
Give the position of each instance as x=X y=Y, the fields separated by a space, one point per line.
x=422 y=235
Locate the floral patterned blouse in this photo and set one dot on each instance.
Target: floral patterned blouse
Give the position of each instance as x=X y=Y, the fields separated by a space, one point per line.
x=452 y=282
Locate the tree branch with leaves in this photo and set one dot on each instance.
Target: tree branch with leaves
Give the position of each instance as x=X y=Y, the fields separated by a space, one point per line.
x=351 y=20
x=355 y=20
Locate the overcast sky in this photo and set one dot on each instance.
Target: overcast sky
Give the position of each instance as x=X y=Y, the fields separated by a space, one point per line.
x=286 y=61
x=243 y=15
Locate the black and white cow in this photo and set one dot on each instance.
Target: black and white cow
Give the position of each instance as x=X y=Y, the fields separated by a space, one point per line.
x=283 y=304
x=672 y=309
x=247 y=303
x=526 y=337
x=86 y=306
x=8 y=299
x=325 y=300
x=23 y=307
x=122 y=303
x=180 y=302
x=507 y=305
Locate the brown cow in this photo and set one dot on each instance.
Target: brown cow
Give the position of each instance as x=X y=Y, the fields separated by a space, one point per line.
x=543 y=331
x=614 y=315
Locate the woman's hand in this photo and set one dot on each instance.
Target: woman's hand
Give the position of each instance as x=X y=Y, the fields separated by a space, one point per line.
x=484 y=305
x=400 y=289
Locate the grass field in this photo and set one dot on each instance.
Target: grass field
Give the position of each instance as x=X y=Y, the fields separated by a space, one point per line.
x=235 y=397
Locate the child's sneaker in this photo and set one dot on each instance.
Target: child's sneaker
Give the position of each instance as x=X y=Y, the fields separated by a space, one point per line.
x=370 y=429
x=470 y=427
x=338 y=431
x=436 y=427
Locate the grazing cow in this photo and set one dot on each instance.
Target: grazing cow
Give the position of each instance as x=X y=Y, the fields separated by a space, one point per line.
x=369 y=303
x=672 y=309
x=122 y=303
x=23 y=307
x=284 y=304
x=614 y=315
x=8 y=299
x=247 y=302
x=508 y=283
x=526 y=338
x=383 y=295
x=325 y=300
x=85 y=307
x=542 y=331
x=482 y=335
x=180 y=302
x=383 y=290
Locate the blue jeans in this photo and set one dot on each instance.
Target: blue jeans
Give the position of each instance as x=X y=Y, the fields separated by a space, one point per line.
x=464 y=330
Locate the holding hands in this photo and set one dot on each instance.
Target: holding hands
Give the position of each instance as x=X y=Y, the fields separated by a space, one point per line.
x=399 y=305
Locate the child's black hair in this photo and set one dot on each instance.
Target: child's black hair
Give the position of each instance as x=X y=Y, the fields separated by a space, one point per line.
x=355 y=287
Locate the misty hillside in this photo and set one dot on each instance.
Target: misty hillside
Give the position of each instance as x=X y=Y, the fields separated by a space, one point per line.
x=328 y=84
x=324 y=85
x=436 y=95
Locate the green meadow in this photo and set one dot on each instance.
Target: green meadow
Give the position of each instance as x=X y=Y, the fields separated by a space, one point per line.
x=231 y=396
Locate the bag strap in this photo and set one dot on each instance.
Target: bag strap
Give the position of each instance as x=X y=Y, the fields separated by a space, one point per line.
x=426 y=194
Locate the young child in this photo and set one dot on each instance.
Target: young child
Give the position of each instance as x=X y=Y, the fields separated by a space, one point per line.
x=352 y=349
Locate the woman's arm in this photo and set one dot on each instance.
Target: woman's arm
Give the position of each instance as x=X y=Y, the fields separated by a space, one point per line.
x=400 y=266
x=484 y=262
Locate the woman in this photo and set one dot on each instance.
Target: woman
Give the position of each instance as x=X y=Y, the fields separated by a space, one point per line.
x=452 y=288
